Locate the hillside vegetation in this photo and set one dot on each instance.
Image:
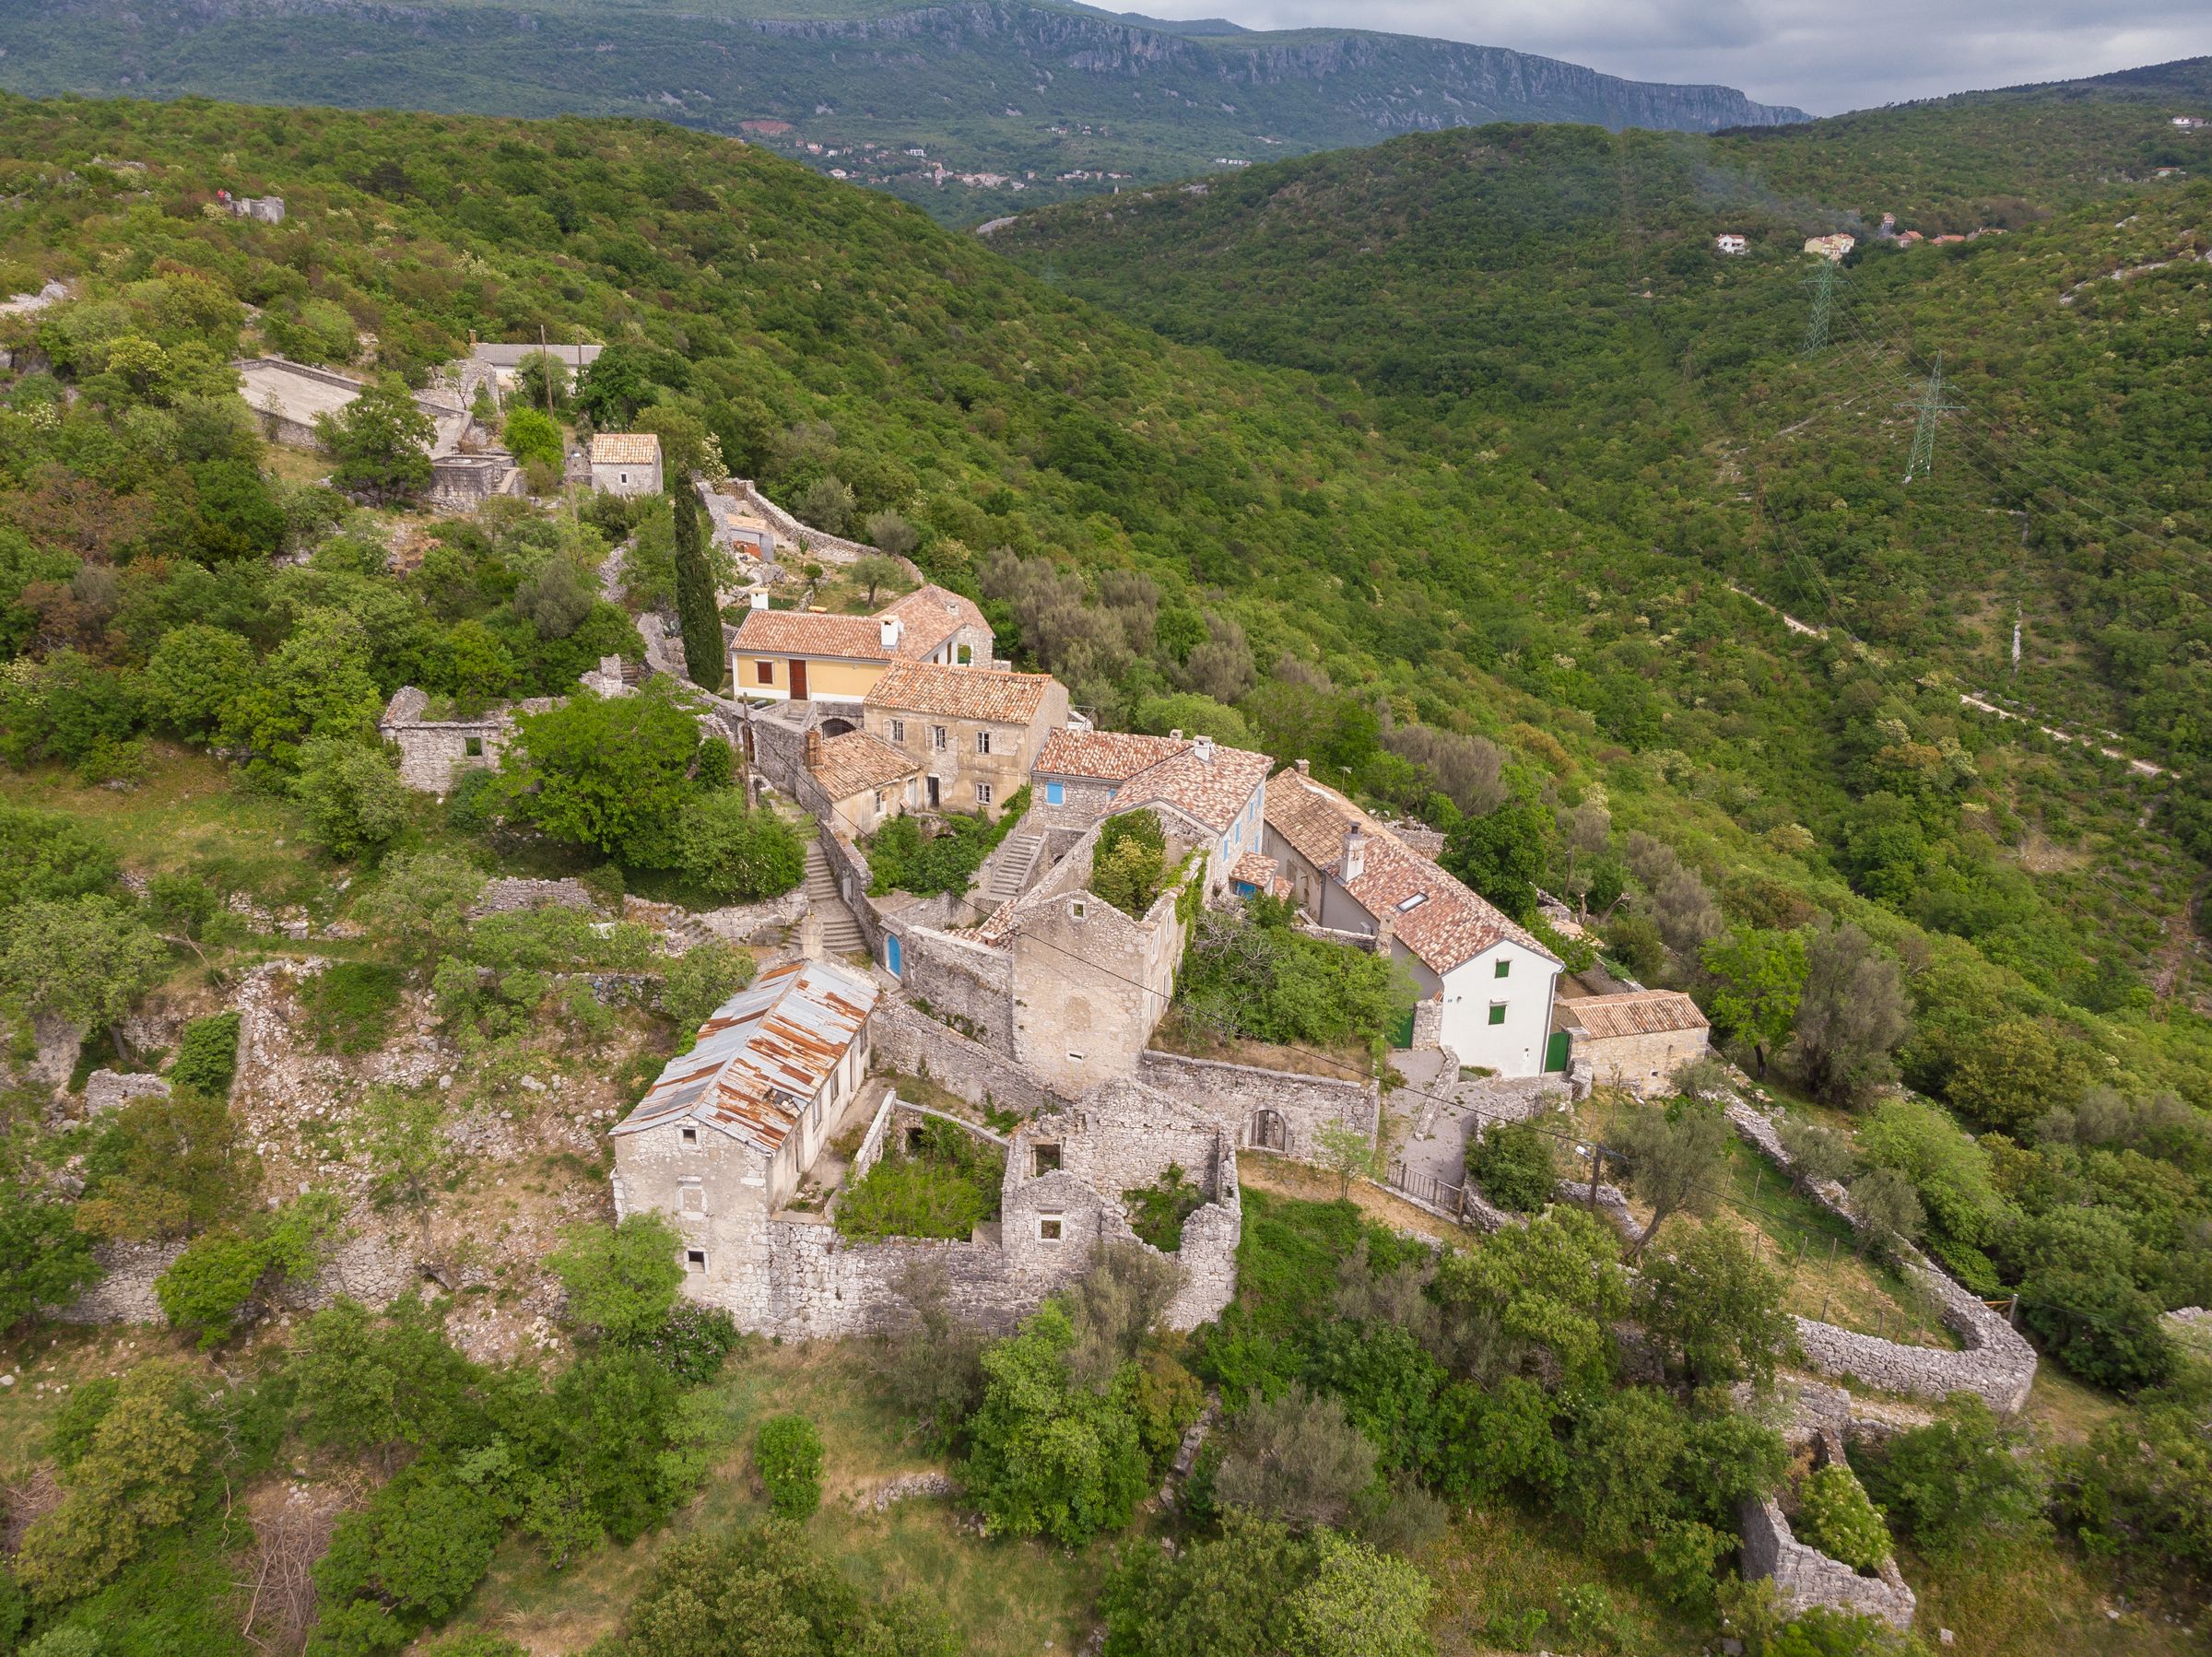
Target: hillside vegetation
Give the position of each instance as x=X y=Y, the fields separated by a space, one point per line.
x=1865 y=882
x=1061 y=99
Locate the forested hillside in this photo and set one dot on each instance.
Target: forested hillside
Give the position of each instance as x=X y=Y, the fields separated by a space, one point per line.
x=1498 y=601
x=1554 y=298
x=969 y=111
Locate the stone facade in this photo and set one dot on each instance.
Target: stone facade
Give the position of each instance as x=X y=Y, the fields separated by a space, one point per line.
x=109 y=1090
x=918 y=1045
x=434 y=752
x=970 y=758
x=1278 y=1110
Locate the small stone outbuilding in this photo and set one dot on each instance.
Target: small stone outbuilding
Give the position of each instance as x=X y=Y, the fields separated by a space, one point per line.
x=1636 y=1039
x=625 y=463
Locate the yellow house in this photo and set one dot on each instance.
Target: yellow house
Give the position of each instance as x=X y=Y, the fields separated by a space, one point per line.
x=797 y=656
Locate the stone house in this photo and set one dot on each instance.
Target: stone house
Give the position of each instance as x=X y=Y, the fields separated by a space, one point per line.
x=496 y=363
x=261 y=209
x=859 y=783
x=434 y=752
x=974 y=731
x=718 y=1143
x=1635 y=1040
x=625 y=463
x=1081 y=776
x=1485 y=984
x=799 y=656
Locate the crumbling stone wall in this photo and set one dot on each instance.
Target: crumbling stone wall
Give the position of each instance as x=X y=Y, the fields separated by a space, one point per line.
x=962 y=979
x=1805 y=1579
x=1233 y=1096
x=432 y=753
x=910 y=1041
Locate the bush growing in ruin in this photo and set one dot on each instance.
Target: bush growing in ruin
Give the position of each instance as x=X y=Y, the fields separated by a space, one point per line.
x=787 y=1454
x=1835 y=1516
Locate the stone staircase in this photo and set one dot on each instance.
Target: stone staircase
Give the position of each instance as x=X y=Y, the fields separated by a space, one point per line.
x=1010 y=868
x=841 y=932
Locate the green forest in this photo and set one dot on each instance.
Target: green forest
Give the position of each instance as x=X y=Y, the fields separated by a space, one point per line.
x=1464 y=471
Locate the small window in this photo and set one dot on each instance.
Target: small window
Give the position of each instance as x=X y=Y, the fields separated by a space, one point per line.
x=473 y=746
x=897 y=730
x=967 y=655
x=764 y=672
x=1075 y=1058
x=1044 y=1159
x=1055 y=795
x=1496 y=1011
x=1048 y=1227
x=689 y=1136
x=1079 y=909
x=936 y=738
x=1505 y=967
x=982 y=742
x=983 y=794
x=879 y=799
x=695 y=1260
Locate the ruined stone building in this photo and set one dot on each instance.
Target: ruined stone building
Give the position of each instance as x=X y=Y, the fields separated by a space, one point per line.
x=720 y=1143
x=1485 y=984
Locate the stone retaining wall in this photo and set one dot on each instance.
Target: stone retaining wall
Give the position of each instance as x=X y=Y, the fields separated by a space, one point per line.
x=1997 y=1363
x=1233 y=1094
x=1804 y=1578
x=960 y=978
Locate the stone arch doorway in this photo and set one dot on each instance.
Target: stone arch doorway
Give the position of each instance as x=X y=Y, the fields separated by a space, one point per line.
x=836 y=727
x=1270 y=1130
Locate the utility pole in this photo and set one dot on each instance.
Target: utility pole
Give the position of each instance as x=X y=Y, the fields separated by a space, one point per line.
x=1930 y=404
x=1823 y=284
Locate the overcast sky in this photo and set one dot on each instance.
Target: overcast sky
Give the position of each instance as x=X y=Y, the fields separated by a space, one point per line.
x=1822 y=55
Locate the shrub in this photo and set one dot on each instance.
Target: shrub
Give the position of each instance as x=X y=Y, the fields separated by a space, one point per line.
x=350 y=1004
x=621 y=1280
x=903 y=858
x=206 y=1289
x=207 y=1055
x=352 y=795
x=691 y=1342
x=1296 y=1460
x=738 y=853
x=702 y=979
x=946 y=1189
x=406 y=1559
x=787 y=1454
x=1834 y=1515
x=1957 y=1484
x=1512 y=1166
x=1157 y=1210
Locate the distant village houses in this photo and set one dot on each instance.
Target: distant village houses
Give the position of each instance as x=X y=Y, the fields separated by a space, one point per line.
x=1831 y=248
x=1731 y=244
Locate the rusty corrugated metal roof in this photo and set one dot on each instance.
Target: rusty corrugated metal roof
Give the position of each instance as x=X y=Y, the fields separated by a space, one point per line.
x=763 y=1056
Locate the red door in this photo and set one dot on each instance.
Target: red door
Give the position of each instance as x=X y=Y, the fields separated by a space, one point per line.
x=798 y=680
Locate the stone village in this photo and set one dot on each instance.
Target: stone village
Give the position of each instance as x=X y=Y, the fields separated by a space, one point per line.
x=1034 y=999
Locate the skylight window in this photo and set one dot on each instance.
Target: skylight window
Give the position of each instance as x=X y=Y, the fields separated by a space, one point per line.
x=1413 y=902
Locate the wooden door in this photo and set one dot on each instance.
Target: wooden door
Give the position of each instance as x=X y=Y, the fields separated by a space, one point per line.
x=798 y=679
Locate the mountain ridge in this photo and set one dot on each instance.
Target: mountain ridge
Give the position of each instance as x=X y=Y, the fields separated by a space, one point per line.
x=1009 y=100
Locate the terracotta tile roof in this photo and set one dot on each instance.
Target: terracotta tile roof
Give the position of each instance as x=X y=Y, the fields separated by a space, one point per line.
x=1213 y=789
x=799 y=633
x=981 y=693
x=625 y=449
x=1253 y=870
x=765 y=1052
x=1105 y=756
x=932 y=615
x=1633 y=1013
x=856 y=762
x=1445 y=924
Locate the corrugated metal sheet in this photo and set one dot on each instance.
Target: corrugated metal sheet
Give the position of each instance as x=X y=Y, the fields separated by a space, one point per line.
x=763 y=1054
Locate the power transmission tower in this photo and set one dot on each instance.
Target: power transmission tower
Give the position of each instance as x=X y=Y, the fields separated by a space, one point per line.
x=1930 y=404
x=1823 y=284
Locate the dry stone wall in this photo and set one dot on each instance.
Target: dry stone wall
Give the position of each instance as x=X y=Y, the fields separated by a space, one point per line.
x=1804 y=1578
x=1233 y=1096
x=910 y=1041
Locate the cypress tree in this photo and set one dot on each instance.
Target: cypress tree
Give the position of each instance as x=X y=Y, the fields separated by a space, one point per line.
x=694 y=607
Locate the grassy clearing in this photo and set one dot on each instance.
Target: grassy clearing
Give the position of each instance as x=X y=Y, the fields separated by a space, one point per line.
x=1344 y=1061
x=1277 y=1176
x=1504 y=1580
x=2043 y=1602
x=1005 y=1597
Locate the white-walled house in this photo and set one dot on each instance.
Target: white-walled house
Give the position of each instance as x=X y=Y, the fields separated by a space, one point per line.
x=1486 y=984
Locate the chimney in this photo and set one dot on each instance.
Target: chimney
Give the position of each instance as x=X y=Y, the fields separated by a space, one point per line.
x=1175 y=735
x=1205 y=746
x=1354 y=855
x=810 y=934
x=757 y=599
x=892 y=629
x=1305 y=768
x=814 y=750
x=1386 y=928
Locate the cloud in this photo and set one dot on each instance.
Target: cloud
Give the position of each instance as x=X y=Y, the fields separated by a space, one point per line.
x=1822 y=55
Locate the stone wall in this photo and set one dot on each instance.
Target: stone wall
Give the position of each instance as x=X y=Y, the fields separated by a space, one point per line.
x=1233 y=1094
x=961 y=979
x=434 y=752
x=368 y=1262
x=1641 y=1064
x=1997 y=1362
x=1804 y=1578
x=910 y=1041
x=821 y=546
